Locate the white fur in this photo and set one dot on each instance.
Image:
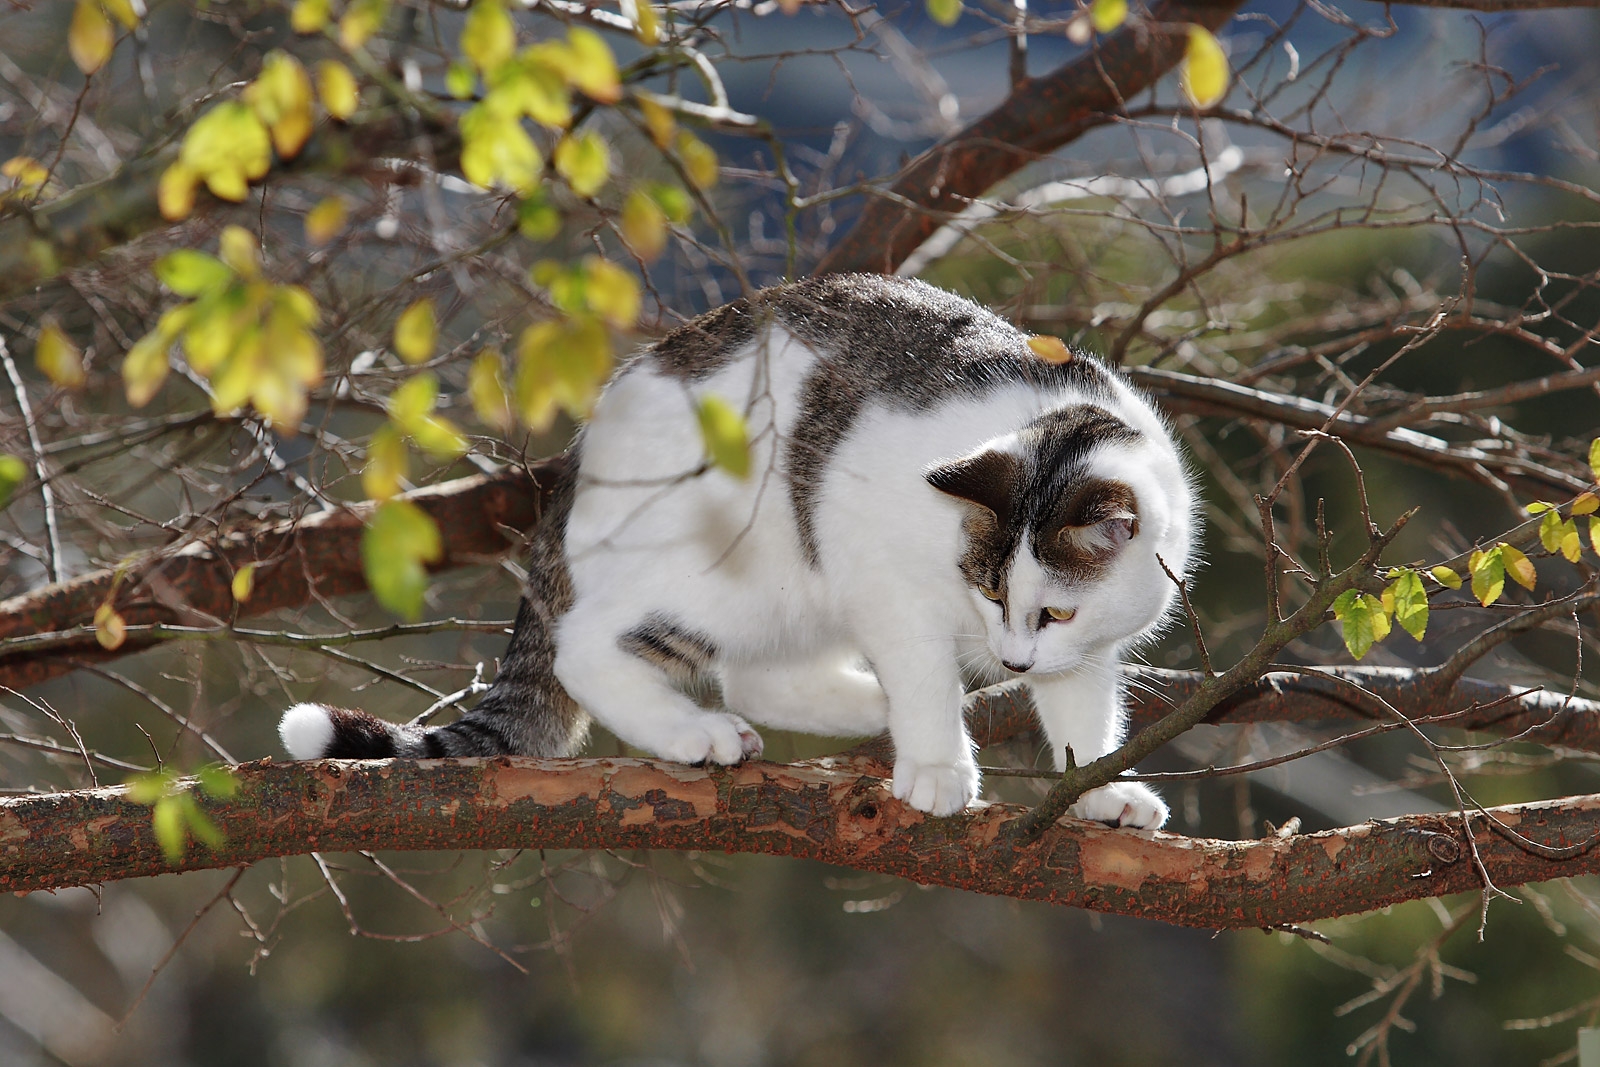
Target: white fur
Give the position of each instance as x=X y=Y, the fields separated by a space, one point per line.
x=722 y=555
x=306 y=731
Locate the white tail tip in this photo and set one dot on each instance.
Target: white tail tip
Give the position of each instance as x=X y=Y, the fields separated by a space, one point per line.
x=306 y=730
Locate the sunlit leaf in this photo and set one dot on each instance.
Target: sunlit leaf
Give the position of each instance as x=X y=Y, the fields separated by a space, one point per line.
x=1107 y=15
x=944 y=12
x=1204 y=74
x=227 y=147
x=537 y=218
x=27 y=174
x=1539 y=507
x=416 y=332
x=658 y=120
x=309 y=16
x=110 y=630
x=674 y=200
x=594 y=68
x=387 y=465
x=145 y=368
x=12 y=473
x=1571 y=545
x=167 y=822
x=583 y=159
x=123 y=11
x=241 y=250
x=726 y=439
x=644 y=225
x=361 y=20
x=217 y=781
x=1594 y=533
x=1585 y=504
x=460 y=81
x=496 y=150
x=1446 y=577
x=281 y=97
x=560 y=365
x=1050 y=349
x=191 y=273
x=337 y=89
x=396 y=544
x=1594 y=458
x=488 y=36
x=646 y=26
x=699 y=161
x=1488 y=575
x=91 y=36
x=611 y=292
x=175 y=192
x=325 y=221
x=58 y=358
x=1410 y=603
x=413 y=400
x=148 y=787
x=244 y=582
x=1362 y=620
x=486 y=388
x=1550 y=530
x=1518 y=566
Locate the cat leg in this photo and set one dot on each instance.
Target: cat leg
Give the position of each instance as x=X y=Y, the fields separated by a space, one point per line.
x=934 y=765
x=1084 y=709
x=827 y=695
x=626 y=684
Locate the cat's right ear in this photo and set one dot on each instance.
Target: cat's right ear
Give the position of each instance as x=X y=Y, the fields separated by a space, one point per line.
x=987 y=479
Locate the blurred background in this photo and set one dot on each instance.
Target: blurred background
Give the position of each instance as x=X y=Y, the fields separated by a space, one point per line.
x=560 y=958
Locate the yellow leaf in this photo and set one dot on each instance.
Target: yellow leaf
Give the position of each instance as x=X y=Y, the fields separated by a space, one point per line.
x=241 y=250
x=486 y=387
x=645 y=24
x=325 y=221
x=1518 y=566
x=1204 y=75
x=58 y=358
x=1585 y=504
x=336 y=87
x=459 y=81
x=1050 y=349
x=123 y=11
x=244 y=582
x=1594 y=532
x=1446 y=577
x=361 y=20
x=726 y=439
x=227 y=146
x=496 y=150
x=145 y=367
x=309 y=16
x=644 y=225
x=412 y=401
x=91 y=37
x=658 y=120
x=110 y=630
x=416 y=332
x=1571 y=546
x=699 y=161
x=944 y=12
x=593 y=68
x=388 y=463
x=25 y=172
x=584 y=160
x=612 y=292
x=281 y=97
x=1594 y=458
x=175 y=192
x=1107 y=15
x=488 y=37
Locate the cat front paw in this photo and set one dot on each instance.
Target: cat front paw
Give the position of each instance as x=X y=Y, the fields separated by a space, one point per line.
x=936 y=788
x=1123 y=804
x=715 y=738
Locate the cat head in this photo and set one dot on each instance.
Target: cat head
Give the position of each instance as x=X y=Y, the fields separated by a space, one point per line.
x=1063 y=522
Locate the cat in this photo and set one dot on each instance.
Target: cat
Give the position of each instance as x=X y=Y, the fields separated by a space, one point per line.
x=926 y=497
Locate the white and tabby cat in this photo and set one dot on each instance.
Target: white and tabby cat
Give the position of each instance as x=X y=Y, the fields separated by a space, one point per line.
x=926 y=497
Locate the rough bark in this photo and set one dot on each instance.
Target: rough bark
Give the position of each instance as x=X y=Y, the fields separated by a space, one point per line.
x=838 y=811
x=296 y=560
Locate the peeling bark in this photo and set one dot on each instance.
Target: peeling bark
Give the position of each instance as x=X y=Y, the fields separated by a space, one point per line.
x=837 y=811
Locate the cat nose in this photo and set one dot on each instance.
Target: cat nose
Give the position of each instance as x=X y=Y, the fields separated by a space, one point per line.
x=1016 y=668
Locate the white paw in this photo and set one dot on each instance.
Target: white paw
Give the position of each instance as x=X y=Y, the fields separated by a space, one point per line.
x=1123 y=804
x=936 y=788
x=715 y=738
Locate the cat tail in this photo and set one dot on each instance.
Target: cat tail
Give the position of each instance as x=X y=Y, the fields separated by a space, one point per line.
x=526 y=712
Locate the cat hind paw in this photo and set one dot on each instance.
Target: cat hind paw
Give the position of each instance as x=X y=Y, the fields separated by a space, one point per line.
x=936 y=788
x=1123 y=804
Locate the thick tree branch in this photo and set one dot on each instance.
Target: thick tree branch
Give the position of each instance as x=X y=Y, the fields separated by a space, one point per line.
x=1039 y=116
x=319 y=555
x=840 y=812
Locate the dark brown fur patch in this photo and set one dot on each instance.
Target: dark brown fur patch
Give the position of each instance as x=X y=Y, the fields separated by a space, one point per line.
x=679 y=651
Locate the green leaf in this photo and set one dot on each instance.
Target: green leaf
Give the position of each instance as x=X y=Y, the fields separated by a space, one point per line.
x=1549 y=530
x=583 y=159
x=611 y=292
x=416 y=332
x=387 y=463
x=488 y=37
x=486 y=387
x=309 y=16
x=396 y=544
x=199 y=823
x=216 y=780
x=149 y=787
x=644 y=225
x=1107 y=15
x=190 y=273
x=1362 y=619
x=726 y=439
x=537 y=218
x=413 y=400
x=1488 y=575
x=459 y=81
x=1446 y=577
x=944 y=12
x=166 y=819
x=674 y=200
x=12 y=473
x=1410 y=603
x=1539 y=507
x=58 y=358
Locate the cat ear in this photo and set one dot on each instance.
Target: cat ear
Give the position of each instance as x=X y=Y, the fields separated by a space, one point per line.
x=985 y=478
x=1106 y=518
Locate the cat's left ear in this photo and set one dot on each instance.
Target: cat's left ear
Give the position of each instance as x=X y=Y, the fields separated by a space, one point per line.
x=987 y=479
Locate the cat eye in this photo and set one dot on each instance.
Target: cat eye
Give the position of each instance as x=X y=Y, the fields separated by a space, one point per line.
x=1058 y=614
x=990 y=594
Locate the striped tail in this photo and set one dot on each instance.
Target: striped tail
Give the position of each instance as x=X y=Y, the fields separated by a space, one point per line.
x=526 y=712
